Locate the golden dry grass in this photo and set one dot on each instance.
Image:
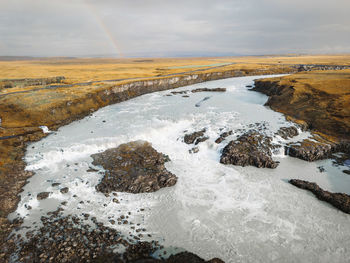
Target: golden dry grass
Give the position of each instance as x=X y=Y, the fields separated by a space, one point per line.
x=321 y=98
x=86 y=69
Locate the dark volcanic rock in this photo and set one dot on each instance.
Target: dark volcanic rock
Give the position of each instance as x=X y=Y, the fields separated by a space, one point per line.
x=42 y=195
x=288 y=132
x=195 y=137
x=179 y=92
x=209 y=90
x=223 y=136
x=134 y=167
x=71 y=239
x=194 y=150
x=190 y=258
x=338 y=200
x=251 y=148
x=64 y=190
x=310 y=151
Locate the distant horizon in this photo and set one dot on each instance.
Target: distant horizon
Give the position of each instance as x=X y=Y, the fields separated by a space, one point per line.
x=24 y=57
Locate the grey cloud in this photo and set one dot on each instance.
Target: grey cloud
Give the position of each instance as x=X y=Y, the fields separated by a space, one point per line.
x=181 y=27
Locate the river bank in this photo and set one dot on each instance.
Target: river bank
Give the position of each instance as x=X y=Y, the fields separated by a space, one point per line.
x=213 y=209
x=22 y=114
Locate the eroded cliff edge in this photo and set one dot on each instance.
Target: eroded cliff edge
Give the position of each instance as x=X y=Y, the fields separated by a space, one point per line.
x=23 y=112
x=321 y=99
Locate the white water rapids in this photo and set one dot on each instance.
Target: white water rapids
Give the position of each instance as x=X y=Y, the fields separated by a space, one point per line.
x=234 y=213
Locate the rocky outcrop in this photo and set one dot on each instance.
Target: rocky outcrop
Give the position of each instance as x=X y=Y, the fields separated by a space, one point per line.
x=209 y=90
x=310 y=67
x=316 y=148
x=195 y=137
x=72 y=239
x=338 y=200
x=251 y=148
x=309 y=151
x=288 y=132
x=322 y=106
x=134 y=167
x=43 y=195
x=223 y=136
x=11 y=83
x=190 y=258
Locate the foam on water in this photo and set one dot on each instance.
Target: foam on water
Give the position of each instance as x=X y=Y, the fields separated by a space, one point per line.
x=235 y=213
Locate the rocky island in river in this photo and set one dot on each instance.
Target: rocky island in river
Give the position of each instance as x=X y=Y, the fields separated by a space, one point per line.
x=95 y=176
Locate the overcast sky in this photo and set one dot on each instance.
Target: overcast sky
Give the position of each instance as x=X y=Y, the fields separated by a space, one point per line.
x=173 y=28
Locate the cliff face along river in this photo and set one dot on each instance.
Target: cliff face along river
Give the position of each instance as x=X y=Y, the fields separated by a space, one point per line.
x=239 y=214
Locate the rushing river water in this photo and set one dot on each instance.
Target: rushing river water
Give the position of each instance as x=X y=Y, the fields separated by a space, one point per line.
x=234 y=213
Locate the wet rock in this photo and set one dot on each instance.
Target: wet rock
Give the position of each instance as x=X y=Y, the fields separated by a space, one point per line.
x=223 y=136
x=209 y=90
x=64 y=190
x=194 y=150
x=321 y=169
x=55 y=184
x=185 y=96
x=251 y=148
x=195 y=137
x=190 y=258
x=179 y=92
x=91 y=170
x=338 y=200
x=310 y=150
x=287 y=132
x=43 y=195
x=346 y=171
x=134 y=167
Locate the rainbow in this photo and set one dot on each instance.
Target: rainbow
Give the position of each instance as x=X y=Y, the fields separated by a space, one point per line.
x=104 y=28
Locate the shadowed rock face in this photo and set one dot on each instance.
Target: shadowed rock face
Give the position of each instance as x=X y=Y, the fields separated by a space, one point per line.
x=134 y=167
x=251 y=148
x=320 y=99
x=338 y=200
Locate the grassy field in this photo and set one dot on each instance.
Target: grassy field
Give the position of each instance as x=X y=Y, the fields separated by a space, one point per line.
x=86 y=69
x=321 y=98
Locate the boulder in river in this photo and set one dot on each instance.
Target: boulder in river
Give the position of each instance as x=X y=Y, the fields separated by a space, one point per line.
x=310 y=150
x=42 y=195
x=190 y=258
x=209 y=90
x=134 y=167
x=195 y=137
x=252 y=148
x=64 y=190
x=223 y=136
x=338 y=200
x=287 y=132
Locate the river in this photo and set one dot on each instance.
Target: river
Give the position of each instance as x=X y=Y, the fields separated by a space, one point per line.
x=239 y=214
